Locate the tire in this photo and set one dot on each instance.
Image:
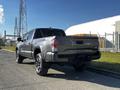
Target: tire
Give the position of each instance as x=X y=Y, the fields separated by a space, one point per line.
x=19 y=58
x=40 y=65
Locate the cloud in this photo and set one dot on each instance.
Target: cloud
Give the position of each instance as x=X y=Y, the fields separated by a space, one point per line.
x=1 y=14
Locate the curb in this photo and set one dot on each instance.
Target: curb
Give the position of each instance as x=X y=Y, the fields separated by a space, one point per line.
x=104 y=72
x=8 y=50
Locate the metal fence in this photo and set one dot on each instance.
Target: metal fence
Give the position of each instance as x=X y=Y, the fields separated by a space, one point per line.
x=110 y=42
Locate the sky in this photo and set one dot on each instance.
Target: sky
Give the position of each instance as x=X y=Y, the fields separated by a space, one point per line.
x=56 y=13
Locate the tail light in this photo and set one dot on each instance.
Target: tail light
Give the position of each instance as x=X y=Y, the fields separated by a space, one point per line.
x=54 y=43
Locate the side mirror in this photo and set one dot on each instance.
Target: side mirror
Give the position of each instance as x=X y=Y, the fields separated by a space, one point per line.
x=19 y=39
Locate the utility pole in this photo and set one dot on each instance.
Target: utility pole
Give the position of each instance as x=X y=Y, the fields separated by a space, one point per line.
x=22 y=19
x=16 y=28
x=4 y=36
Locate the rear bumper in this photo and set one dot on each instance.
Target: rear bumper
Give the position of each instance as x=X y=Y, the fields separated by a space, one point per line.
x=72 y=55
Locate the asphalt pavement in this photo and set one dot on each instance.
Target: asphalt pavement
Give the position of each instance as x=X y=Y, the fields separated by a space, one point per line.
x=15 y=76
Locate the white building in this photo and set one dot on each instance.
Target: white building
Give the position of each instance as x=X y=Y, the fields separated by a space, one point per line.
x=109 y=25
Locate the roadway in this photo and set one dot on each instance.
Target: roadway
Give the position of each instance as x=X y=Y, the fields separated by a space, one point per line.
x=23 y=77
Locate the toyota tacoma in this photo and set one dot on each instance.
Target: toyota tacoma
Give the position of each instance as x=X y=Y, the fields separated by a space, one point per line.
x=47 y=46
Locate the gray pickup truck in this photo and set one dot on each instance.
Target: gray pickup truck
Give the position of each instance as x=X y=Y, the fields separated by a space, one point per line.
x=47 y=46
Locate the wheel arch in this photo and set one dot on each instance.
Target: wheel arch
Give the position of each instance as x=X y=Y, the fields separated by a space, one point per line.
x=16 y=48
x=36 y=51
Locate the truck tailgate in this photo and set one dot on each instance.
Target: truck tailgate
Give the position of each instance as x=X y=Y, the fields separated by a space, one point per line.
x=77 y=44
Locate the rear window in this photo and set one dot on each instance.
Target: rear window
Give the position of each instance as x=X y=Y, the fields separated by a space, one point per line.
x=51 y=32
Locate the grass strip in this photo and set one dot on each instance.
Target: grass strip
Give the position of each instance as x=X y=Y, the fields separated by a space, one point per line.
x=108 y=61
x=11 y=48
